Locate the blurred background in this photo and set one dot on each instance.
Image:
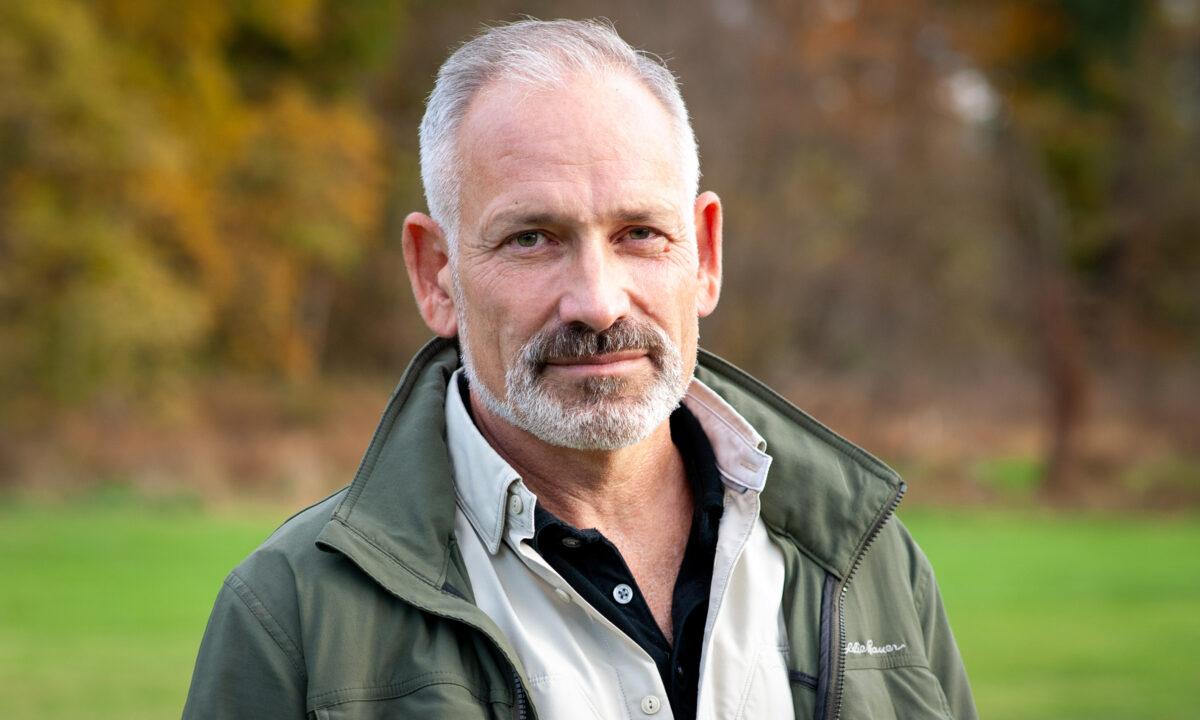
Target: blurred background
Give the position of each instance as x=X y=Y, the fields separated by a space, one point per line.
x=966 y=235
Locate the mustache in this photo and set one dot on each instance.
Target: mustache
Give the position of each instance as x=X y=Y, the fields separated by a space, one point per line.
x=577 y=340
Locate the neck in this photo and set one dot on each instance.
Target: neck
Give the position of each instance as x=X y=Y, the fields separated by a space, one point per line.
x=614 y=491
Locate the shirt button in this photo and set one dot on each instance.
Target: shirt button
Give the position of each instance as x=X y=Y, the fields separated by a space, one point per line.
x=562 y=595
x=515 y=506
x=651 y=704
x=571 y=542
x=623 y=594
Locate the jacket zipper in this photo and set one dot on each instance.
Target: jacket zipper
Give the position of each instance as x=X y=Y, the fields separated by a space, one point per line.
x=840 y=656
x=520 y=706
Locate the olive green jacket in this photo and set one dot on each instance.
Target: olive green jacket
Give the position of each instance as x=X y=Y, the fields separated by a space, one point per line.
x=360 y=606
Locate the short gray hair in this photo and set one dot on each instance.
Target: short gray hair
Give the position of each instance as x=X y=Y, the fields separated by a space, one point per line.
x=540 y=53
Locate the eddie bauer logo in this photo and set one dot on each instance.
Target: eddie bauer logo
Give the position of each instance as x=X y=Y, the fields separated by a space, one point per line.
x=857 y=648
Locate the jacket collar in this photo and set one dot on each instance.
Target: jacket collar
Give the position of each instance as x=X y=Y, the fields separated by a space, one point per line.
x=824 y=493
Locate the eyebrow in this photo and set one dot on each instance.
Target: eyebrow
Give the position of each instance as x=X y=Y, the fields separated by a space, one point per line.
x=531 y=219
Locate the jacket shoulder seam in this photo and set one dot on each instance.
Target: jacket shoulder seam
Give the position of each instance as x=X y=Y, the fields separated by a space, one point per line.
x=921 y=591
x=924 y=576
x=267 y=621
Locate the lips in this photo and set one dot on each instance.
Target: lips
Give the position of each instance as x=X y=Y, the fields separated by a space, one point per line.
x=603 y=359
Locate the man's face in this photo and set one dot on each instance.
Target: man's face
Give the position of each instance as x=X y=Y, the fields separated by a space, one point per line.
x=577 y=271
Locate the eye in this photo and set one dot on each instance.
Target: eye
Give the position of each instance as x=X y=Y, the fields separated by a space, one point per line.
x=643 y=237
x=528 y=238
x=640 y=233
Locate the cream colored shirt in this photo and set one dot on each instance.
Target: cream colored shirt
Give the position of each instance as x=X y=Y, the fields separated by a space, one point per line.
x=579 y=665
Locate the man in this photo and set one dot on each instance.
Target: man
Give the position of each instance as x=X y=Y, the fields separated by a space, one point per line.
x=588 y=517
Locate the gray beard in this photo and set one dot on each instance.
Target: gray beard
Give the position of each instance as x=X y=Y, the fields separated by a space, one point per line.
x=603 y=413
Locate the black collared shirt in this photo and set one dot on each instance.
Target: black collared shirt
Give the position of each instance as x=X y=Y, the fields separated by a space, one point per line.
x=595 y=569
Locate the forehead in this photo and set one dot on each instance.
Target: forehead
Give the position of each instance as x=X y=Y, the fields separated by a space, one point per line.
x=591 y=139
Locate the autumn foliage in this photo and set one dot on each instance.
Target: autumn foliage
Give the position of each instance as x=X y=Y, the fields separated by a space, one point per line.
x=977 y=202
x=162 y=210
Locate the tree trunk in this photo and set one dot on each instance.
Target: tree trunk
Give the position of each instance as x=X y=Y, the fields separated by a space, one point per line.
x=1040 y=230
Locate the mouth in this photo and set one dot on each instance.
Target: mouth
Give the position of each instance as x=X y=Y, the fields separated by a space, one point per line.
x=604 y=364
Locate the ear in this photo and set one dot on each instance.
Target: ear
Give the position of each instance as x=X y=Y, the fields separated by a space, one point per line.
x=428 y=262
x=708 y=247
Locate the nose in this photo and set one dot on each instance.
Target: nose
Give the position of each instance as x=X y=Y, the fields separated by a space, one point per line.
x=595 y=293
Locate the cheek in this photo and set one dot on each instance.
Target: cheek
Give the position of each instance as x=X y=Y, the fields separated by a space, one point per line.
x=505 y=312
x=676 y=289
x=668 y=298
x=684 y=269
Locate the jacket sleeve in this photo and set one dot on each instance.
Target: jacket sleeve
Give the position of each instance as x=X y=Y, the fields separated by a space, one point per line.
x=940 y=648
x=248 y=666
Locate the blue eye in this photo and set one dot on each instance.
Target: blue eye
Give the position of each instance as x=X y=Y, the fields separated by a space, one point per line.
x=641 y=233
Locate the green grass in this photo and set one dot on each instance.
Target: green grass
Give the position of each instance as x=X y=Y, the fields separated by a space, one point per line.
x=102 y=607
x=1072 y=617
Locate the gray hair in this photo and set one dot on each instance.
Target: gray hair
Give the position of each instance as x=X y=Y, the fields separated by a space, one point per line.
x=539 y=53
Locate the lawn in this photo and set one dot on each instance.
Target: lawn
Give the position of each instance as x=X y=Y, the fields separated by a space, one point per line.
x=102 y=608
x=1072 y=617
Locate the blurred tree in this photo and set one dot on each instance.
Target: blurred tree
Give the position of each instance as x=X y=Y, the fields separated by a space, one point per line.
x=870 y=196
x=180 y=180
x=1096 y=156
x=930 y=197
x=86 y=295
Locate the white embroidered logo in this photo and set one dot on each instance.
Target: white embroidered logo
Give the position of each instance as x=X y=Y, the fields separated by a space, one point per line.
x=870 y=648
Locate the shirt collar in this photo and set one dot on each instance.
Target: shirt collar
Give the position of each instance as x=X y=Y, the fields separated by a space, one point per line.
x=741 y=452
x=490 y=492
x=483 y=481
